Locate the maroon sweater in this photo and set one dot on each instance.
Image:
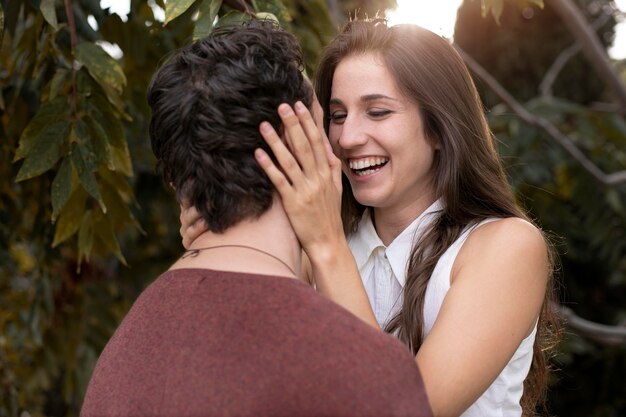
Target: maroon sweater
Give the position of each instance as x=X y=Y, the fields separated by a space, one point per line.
x=212 y=343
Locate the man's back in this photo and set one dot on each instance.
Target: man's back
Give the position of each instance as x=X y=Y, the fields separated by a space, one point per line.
x=203 y=342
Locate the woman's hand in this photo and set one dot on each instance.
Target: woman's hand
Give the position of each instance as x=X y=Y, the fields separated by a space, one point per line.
x=314 y=206
x=192 y=224
x=309 y=183
x=310 y=188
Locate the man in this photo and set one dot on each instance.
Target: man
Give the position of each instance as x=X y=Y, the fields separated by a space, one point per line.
x=229 y=329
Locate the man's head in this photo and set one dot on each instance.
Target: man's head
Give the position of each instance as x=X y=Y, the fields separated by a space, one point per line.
x=207 y=102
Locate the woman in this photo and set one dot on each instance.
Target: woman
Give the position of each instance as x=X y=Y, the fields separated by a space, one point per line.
x=435 y=249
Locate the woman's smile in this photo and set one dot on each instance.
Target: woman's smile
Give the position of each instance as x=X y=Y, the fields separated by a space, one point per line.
x=362 y=167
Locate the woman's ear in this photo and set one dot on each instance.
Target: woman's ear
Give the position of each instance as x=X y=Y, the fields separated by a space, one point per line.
x=434 y=141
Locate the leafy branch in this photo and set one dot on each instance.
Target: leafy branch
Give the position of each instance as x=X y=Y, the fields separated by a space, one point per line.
x=534 y=120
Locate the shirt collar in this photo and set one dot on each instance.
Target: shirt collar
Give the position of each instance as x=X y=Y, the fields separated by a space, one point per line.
x=366 y=240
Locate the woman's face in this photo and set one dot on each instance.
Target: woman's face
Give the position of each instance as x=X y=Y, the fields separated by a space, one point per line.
x=379 y=136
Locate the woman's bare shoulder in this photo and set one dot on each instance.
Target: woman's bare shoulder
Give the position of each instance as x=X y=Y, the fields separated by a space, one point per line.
x=507 y=235
x=510 y=247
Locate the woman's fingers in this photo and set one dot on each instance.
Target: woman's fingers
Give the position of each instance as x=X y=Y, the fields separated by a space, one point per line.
x=300 y=145
x=335 y=169
x=284 y=157
x=277 y=178
x=328 y=165
x=308 y=164
x=192 y=224
x=315 y=138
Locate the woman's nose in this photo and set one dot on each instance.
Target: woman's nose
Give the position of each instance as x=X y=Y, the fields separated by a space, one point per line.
x=352 y=135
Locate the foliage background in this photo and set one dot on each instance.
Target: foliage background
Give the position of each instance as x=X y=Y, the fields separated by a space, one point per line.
x=85 y=224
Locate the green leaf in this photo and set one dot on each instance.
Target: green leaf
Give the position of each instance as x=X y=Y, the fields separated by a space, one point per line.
x=84 y=162
x=104 y=232
x=614 y=200
x=118 y=183
x=49 y=13
x=174 y=8
x=101 y=110
x=498 y=6
x=88 y=86
x=485 y=6
x=117 y=101
x=538 y=3
x=101 y=66
x=122 y=161
x=232 y=18
x=266 y=16
x=70 y=217
x=273 y=9
x=61 y=187
x=495 y=6
x=46 y=150
x=81 y=138
x=101 y=147
x=56 y=84
x=117 y=195
x=85 y=237
x=207 y=14
x=51 y=112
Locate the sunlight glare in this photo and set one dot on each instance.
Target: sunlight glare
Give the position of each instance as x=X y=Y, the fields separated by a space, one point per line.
x=618 y=50
x=437 y=16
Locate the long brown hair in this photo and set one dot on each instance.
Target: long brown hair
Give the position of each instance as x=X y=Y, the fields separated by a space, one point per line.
x=468 y=174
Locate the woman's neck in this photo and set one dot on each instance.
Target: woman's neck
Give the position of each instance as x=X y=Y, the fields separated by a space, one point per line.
x=389 y=222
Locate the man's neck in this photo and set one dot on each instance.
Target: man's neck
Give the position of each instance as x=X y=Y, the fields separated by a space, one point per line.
x=265 y=246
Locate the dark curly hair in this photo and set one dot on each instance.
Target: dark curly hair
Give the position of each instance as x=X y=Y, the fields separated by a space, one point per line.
x=207 y=102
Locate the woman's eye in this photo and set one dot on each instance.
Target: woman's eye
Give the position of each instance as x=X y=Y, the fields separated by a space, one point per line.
x=338 y=117
x=378 y=114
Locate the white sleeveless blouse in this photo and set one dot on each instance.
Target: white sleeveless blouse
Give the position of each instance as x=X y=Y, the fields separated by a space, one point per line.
x=383 y=271
x=502 y=398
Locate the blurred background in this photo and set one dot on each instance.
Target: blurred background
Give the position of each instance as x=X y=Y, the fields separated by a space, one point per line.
x=85 y=224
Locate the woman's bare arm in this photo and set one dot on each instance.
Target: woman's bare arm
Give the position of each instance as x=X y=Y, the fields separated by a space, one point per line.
x=497 y=288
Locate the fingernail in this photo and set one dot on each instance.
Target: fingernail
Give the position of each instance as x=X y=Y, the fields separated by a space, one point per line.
x=299 y=106
x=259 y=154
x=284 y=109
x=265 y=127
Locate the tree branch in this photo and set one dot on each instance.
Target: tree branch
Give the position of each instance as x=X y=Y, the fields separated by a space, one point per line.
x=545 y=88
x=595 y=332
x=564 y=141
x=69 y=10
x=592 y=47
x=73 y=97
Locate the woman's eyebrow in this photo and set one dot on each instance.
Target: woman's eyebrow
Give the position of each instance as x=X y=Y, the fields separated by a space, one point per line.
x=372 y=97
x=366 y=98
